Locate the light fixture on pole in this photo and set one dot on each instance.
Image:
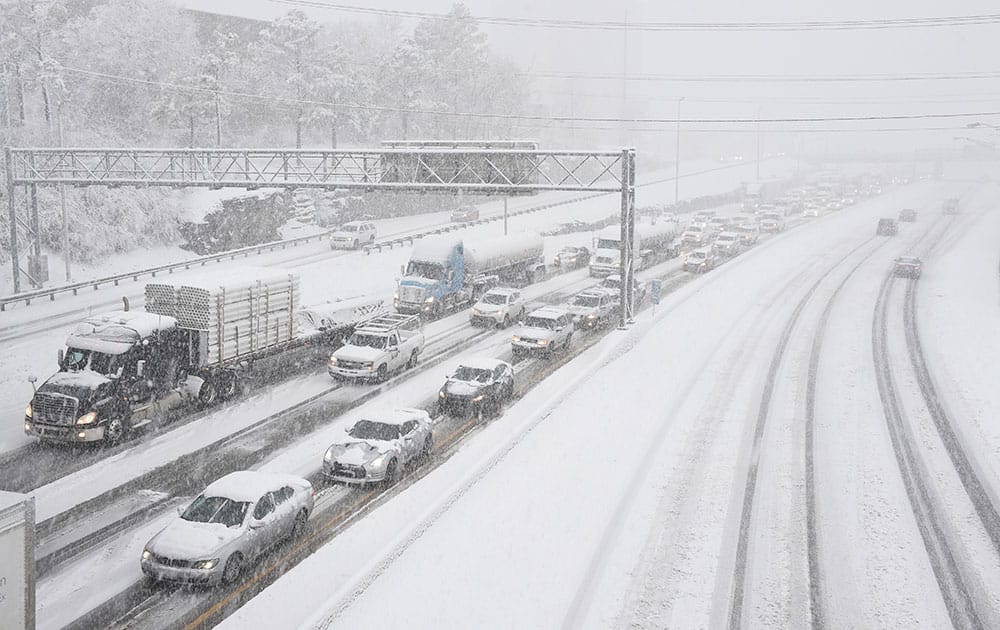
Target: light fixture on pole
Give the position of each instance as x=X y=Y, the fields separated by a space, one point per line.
x=677 y=154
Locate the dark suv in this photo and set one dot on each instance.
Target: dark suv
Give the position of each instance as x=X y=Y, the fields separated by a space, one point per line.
x=908 y=215
x=887 y=227
x=479 y=387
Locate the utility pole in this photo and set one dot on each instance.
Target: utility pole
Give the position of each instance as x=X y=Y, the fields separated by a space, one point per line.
x=677 y=155
x=758 y=144
x=62 y=200
x=624 y=130
x=505 y=215
x=218 y=122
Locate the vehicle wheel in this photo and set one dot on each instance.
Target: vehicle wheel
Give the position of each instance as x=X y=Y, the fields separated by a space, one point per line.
x=354 y=244
x=506 y=321
x=392 y=473
x=569 y=340
x=382 y=375
x=234 y=568
x=508 y=392
x=299 y=526
x=208 y=394
x=412 y=363
x=115 y=431
x=425 y=452
x=229 y=385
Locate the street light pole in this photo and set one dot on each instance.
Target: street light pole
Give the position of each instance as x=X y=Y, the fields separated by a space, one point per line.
x=677 y=154
x=758 y=144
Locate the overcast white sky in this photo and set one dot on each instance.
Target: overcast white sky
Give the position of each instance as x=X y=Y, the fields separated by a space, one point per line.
x=899 y=51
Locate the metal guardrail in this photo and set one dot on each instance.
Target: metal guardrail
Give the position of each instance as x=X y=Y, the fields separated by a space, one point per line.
x=201 y=261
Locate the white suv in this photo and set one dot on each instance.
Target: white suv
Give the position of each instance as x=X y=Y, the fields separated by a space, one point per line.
x=353 y=235
x=499 y=306
x=544 y=330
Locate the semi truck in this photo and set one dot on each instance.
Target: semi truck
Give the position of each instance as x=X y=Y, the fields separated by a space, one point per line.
x=189 y=348
x=446 y=273
x=652 y=242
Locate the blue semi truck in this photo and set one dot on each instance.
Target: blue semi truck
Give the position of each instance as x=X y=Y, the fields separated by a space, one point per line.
x=448 y=272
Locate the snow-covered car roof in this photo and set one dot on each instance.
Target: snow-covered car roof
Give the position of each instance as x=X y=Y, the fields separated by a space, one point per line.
x=908 y=260
x=398 y=416
x=501 y=291
x=548 y=312
x=595 y=292
x=250 y=485
x=482 y=363
x=728 y=236
x=702 y=251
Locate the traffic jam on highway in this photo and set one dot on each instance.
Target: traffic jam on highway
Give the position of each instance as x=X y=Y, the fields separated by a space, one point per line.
x=126 y=376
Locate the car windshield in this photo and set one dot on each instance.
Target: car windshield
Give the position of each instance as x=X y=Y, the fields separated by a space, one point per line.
x=350 y=228
x=607 y=243
x=369 y=430
x=369 y=341
x=541 y=322
x=431 y=271
x=569 y=251
x=472 y=375
x=216 y=510
x=107 y=364
x=696 y=255
x=495 y=298
x=586 y=300
x=694 y=228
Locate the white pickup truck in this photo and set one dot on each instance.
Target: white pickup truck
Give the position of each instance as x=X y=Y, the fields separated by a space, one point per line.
x=379 y=347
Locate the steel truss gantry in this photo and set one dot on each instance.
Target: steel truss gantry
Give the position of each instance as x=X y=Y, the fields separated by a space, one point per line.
x=464 y=169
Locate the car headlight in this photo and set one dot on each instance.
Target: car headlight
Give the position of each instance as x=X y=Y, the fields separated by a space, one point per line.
x=395 y=295
x=87 y=418
x=479 y=398
x=328 y=455
x=429 y=300
x=515 y=338
x=205 y=564
x=543 y=342
x=333 y=362
x=27 y=411
x=147 y=554
x=369 y=366
x=592 y=316
x=441 y=394
x=380 y=461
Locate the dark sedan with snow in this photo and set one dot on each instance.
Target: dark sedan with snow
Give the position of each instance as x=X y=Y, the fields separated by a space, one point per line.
x=479 y=387
x=907 y=267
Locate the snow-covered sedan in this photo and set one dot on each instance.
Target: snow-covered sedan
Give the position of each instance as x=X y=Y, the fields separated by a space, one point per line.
x=594 y=307
x=378 y=449
x=478 y=387
x=235 y=520
x=700 y=260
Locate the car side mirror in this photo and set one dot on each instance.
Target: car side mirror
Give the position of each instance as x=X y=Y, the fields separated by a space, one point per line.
x=180 y=510
x=140 y=367
x=62 y=355
x=256 y=523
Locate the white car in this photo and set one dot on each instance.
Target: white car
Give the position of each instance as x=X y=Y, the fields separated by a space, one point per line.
x=378 y=449
x=500 y=306
x=696 y=234
x=544 y=330
x=353 y=235
x=727 y=244
x=594 y=307
x=234 y=521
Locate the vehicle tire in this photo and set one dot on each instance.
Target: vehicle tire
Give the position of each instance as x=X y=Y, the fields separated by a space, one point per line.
x=299 y=526
x=208 y=394
x=425 y=452
x=508 y=392
x=392 y=473
x=506 y=321
x=354 y=244
x=412 y=362
x=233 y=569
x=115 y=431
x=382 y=374
x=569 y=340
x=229 y=385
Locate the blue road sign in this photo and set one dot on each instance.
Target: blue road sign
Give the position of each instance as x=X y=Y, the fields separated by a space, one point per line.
x=654 y=291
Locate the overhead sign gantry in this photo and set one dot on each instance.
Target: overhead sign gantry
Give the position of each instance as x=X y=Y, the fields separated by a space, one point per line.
x=462 y=167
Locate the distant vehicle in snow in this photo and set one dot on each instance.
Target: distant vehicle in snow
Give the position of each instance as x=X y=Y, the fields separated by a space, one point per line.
x=232 y=522
x=353 y=235
x=908 y=215
x=478 y=387
x=749 y=233
x=594 y=307
x=544 y=331
x=887 y=227
x=727 y=244
x=500 y=306
x=465 y=214
x=700 y=260
x=950 y=206
x=772 y=222
x=571 y=257
x=907 y=267
x=378 y=449
x=613 y=283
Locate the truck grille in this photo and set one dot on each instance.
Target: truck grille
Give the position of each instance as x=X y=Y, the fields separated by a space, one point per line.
x=351 y=365
x=411 y=294
x=49 y=408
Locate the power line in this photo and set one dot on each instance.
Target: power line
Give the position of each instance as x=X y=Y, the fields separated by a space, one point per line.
x=535 y=117
x=612 y=25
x=764 y=78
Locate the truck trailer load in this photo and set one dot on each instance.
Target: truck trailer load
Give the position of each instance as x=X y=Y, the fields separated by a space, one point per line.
x=652 y=242
x=449 y=272
x=125 y=369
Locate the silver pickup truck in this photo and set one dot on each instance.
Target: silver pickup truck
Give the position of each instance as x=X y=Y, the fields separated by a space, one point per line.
x=379 y=347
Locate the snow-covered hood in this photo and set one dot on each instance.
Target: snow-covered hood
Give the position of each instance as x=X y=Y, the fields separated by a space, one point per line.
x=535 y=333
x=417 y=281
x=462 y=388
x=187 y=540
x=581 y=310
x=83 y=379
x=360 y=452
x=358 y=353
x=483 y=307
